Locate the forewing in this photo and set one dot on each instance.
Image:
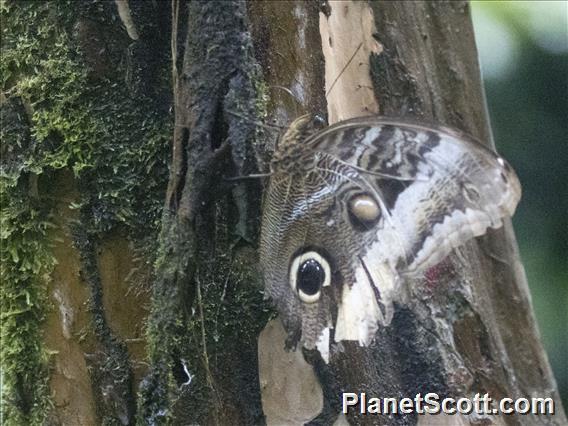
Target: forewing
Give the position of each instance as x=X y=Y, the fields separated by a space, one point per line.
x=437 y=189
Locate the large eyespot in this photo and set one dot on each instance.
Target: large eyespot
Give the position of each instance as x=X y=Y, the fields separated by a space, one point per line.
x=309 y=272
x=364 y=211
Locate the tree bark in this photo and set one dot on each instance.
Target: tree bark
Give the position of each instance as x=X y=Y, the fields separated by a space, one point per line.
x=83 y=176
x=462 y=330
x=151 y=330
x=203 y=369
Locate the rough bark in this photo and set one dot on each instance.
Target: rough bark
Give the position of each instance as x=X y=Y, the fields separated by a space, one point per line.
x=468 y=326
x=79 y=201
x=462 y=330
x=203 y=368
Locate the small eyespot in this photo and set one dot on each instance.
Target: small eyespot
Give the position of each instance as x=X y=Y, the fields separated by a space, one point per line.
x=364 y=211
x=506 y=168
x=470 y=193
x=309 y=272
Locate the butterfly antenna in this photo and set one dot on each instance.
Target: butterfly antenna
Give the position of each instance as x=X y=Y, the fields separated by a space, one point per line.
x=253 y=176
x=292 y=95
x=343 y=69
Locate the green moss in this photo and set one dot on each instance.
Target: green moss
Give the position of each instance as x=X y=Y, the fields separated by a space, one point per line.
x=166 y=332
x=115 y=142
x=207 y=305
x=68 y=112
x=26 y=264
x=203 y=327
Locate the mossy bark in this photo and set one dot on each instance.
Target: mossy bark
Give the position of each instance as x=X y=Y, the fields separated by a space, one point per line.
x=84 y=167
x=118 y=307
x=90 y=113
x=207 y=302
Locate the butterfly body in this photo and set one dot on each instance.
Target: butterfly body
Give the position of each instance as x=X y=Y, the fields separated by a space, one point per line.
x=352 y=209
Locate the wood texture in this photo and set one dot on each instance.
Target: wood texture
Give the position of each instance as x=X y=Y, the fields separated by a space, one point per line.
x=468 y=326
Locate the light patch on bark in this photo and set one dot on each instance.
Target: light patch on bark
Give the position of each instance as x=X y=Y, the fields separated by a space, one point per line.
x=347 y=43
x=290 y=391
x=443 y=419
x=341 y=420
x=66 y=329
x=65 y=312
x=126 y=18
x=116 y=265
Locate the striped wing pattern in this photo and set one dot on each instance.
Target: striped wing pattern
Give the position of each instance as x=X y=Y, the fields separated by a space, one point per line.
x=435 y=189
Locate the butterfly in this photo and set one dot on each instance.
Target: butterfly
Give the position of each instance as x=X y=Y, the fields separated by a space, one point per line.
x=354 y=208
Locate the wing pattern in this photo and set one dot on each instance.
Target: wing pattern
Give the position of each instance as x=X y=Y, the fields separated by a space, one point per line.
x=435 y=189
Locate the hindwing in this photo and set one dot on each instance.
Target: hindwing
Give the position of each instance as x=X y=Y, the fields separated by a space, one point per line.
x=370 y=200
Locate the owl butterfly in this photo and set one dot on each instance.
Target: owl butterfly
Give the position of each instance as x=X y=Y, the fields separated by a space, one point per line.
x=355 y=207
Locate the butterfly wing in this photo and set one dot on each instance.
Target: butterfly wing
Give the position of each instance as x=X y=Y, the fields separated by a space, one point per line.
x=436 y=188
x=376 y=199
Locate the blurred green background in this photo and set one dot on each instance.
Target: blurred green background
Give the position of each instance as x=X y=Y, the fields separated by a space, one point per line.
x=523 y=49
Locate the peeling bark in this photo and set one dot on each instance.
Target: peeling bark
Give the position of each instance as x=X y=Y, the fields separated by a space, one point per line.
x=468 y=326
x=462 y=329
x=126 y=17
x=347 y=43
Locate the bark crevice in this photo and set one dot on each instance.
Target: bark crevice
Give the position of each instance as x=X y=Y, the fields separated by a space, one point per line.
x=206 y=231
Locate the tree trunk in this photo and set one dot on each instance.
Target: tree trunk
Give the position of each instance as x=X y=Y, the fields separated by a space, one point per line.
x=461 y=331
x=119 y=308
x=85 y=131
